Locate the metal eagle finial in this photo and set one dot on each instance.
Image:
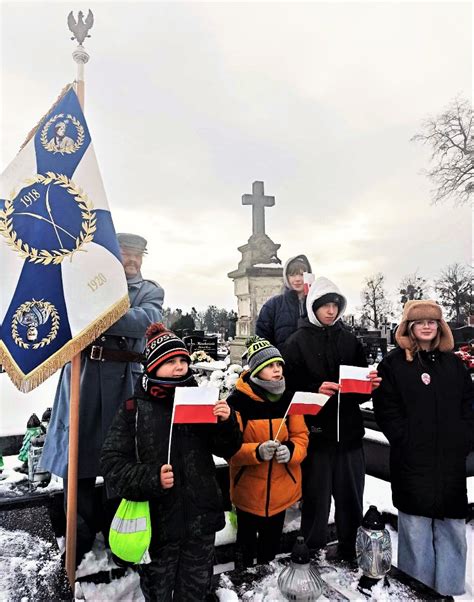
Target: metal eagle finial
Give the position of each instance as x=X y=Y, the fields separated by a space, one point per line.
x=80 y=27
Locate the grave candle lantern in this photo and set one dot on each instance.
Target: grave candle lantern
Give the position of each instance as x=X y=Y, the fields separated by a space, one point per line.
x=373 y=545
x=300 y=580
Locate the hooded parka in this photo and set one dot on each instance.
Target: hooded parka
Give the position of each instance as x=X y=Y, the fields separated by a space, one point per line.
x=265 y=488
x=313 y=355
x=278 y=317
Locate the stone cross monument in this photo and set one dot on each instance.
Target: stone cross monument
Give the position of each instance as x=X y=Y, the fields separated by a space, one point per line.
x=258 y=201
x=259 y=273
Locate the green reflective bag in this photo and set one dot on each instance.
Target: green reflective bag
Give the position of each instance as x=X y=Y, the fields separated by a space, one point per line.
x=130 y=531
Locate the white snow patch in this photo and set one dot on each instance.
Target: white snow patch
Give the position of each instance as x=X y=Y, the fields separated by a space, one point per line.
x=27 y=563
x=268 y=265
x=98 y=559
x=378 y=493
x=373 y=435
x=125 y=589
x=226 y=535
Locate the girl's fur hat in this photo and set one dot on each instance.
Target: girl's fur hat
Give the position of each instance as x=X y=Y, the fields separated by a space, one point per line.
x=423 y=310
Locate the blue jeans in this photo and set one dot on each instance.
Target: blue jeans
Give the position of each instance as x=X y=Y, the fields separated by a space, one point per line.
x=433 y=551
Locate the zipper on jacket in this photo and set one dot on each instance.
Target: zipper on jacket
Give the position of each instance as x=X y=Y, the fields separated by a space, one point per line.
x=183 y=494
x=289 y=472
x=270 y=465
x=238 y=476
x=438 y=493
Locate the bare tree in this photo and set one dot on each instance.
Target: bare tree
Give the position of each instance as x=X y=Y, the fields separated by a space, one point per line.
x=452 y=152
x=412 y=287
x=454 y=287
x=375 y=305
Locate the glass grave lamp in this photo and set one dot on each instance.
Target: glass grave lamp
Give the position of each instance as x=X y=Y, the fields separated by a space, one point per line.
x=373 y=547
x=300 y=580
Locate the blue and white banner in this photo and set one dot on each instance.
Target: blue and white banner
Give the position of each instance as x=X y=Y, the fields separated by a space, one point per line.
x=62 y=280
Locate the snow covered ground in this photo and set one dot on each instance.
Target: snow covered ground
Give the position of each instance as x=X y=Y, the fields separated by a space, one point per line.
x=14 y=570
x=127 y=587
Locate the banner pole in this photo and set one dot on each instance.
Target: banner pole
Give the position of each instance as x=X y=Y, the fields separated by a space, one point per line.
x=71 y=506
x=81 y=57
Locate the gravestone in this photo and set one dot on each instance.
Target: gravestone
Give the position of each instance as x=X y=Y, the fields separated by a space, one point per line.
x=259 y=273
x=197 y=342
x=372 y=341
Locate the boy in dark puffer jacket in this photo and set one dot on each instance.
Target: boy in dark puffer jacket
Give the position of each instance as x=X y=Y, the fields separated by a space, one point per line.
x=335 y=465
x=185 y=499
x=265 y=474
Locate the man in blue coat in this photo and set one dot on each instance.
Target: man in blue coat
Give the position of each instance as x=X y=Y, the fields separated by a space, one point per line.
x=110 y=367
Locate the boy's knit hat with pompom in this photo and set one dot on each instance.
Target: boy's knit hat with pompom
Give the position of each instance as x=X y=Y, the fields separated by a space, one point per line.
x=162 y=345
x=260 y=353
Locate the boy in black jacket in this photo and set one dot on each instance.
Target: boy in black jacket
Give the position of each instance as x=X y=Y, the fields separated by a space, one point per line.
x=185 y=500
x=335 y=464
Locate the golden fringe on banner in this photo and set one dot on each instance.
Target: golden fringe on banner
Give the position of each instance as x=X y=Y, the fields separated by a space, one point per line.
x=28 y=382
x=33 y=131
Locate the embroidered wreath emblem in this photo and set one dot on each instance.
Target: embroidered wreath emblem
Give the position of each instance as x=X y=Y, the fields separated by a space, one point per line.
x=54 y=256
x=31 y=314
x=64 y=145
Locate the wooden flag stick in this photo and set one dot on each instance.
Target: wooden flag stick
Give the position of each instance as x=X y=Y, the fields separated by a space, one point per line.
x=71 y=507
x=171 y=433
x=81 y=57
x=281 y=423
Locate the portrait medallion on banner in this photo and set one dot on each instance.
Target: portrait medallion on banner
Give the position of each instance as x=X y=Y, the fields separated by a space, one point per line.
x=32 y=318
x=62 y=134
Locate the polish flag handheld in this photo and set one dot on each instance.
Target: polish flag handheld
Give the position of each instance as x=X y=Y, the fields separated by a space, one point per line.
x=308 y=279
x=354 y=379
x=304 y=403
x=193 y=405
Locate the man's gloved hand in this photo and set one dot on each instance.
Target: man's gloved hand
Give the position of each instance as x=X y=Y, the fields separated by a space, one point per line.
x=266 y=450
x=282 y=454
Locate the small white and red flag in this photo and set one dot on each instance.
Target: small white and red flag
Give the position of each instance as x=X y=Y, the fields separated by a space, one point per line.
x=306 y=403
x=195 y=405
x=354 y=379
x=308 y=279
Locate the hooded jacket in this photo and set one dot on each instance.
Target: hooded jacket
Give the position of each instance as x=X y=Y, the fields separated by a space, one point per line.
x=259 y=487
x=279 y=316
x=136 y=447
x=313 y=355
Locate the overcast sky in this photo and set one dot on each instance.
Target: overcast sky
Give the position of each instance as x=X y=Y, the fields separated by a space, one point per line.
x=189 y=103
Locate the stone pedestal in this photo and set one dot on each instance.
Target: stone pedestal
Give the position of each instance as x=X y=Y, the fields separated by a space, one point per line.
x=259 y=273
x=252 y=287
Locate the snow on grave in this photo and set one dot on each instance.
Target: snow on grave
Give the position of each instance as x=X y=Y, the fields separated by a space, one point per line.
x=30 y=561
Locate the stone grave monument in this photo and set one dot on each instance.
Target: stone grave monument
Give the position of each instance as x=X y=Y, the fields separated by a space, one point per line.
x=259 y=274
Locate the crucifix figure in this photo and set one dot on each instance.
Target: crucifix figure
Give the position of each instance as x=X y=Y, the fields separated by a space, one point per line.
x=258 y=201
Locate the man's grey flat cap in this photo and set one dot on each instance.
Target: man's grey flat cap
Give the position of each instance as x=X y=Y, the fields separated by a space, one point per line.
x=132 y=241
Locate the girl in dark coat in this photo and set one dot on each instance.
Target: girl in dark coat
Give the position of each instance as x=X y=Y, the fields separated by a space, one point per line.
x=424 y=407
x=185 y=500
